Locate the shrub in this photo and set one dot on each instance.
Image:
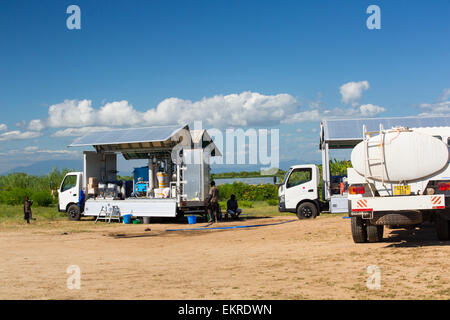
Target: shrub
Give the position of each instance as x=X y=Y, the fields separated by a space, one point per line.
x=14 y=196
x=245 y=204
x=246 y=192
x=272 y=202
x=42 y=198
x=241 y=204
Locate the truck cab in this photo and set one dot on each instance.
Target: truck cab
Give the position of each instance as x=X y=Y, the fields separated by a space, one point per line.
x=298 y=192
x=69 y=195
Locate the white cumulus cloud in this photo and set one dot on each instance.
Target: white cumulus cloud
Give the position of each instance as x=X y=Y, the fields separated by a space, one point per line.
x=308 y=115
x=438 y=108
x=244 y=109
x=71 y=113
x=441 y=107
x=3 y=127
x=36 y=125
x=351 y=92
x=74 y=132
x=369 y=110
x=18 y=135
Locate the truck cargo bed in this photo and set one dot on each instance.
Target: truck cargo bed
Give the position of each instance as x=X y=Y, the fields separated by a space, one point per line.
x=136 y=207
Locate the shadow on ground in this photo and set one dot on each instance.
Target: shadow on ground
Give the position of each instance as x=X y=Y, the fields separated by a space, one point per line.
x=184 y=220
x=423 y=236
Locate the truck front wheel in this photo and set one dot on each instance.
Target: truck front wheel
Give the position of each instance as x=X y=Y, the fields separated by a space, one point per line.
x=73 y=212
x=374 y=233
x=359 y=232
x=307 y=210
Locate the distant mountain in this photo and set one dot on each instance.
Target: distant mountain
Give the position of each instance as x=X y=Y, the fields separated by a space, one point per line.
x=46 y=166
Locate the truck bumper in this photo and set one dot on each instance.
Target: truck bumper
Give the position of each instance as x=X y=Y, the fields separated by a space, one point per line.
x=281 y=206
x=363 y=205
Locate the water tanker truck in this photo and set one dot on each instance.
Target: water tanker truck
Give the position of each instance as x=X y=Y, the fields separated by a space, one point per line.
x=400 y=176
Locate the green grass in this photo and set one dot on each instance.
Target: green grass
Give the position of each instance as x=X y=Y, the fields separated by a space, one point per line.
x=263 y=209
x=14 y=214
x=10 y=213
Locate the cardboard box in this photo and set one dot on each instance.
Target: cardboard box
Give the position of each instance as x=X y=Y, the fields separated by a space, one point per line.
x=93 y=181
x=92 y=190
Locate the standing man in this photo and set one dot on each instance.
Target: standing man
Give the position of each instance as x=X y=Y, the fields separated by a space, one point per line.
x=213 y=201
x=27 y=209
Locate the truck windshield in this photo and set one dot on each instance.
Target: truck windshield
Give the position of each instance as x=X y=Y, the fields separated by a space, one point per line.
x=285 y=177
x=69 y=183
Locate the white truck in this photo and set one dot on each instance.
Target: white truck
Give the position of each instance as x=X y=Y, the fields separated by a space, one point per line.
x=169 y=186
x=400 y=176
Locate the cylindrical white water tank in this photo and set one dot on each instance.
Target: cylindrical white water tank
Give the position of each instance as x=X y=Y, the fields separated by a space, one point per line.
x=400 y=156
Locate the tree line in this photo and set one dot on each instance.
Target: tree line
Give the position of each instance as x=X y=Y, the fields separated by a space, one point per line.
x=14 y=187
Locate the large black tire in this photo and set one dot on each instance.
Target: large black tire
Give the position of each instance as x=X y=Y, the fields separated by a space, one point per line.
x=442 y=227
x=307 y=210
x=359 y=232
x=374 y=233
x=73 y=212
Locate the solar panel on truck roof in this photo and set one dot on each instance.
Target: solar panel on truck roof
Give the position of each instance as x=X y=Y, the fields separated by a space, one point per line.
x=138 y=143
x=127 y=136
x=345 y=133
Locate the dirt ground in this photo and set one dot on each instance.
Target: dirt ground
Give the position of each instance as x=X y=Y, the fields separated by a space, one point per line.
x=311 y=259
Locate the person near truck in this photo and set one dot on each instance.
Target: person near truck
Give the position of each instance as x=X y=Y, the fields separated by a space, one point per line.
x=213 y=203
x=232 y=207
x=27 y=210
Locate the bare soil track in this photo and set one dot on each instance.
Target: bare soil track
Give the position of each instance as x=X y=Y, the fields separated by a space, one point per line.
x=308 y=259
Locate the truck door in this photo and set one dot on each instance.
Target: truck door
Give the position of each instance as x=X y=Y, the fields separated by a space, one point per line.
x=69 y=191
x=299 y=186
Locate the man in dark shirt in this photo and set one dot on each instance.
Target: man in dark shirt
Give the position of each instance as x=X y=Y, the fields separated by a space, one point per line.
x=213 y=206
x=232 y=207
x=27 y=209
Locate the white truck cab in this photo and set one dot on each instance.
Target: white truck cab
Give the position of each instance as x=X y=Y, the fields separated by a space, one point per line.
x=69 y=195
x=298 y=192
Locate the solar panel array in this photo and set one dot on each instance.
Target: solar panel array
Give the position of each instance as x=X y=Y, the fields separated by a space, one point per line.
x=124 y=136
x=352 y=129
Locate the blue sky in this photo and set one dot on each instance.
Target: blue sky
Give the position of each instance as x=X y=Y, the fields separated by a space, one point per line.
x=292 y=56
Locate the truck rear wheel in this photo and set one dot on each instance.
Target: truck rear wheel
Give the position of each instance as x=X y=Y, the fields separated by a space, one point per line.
x=307 y=210
x=374 y=233
x=359 y=232
x=73 y=212
x=442 y=227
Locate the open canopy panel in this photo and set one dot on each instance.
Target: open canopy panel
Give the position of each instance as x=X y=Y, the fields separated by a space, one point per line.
x=135 y=142
x=138 y=143
x=347 y=133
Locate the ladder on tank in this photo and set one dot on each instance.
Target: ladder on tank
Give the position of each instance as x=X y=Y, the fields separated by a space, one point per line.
x=368 y=161
x=109 y=213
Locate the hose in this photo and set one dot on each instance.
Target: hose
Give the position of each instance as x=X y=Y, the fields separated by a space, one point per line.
x=233 y=227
